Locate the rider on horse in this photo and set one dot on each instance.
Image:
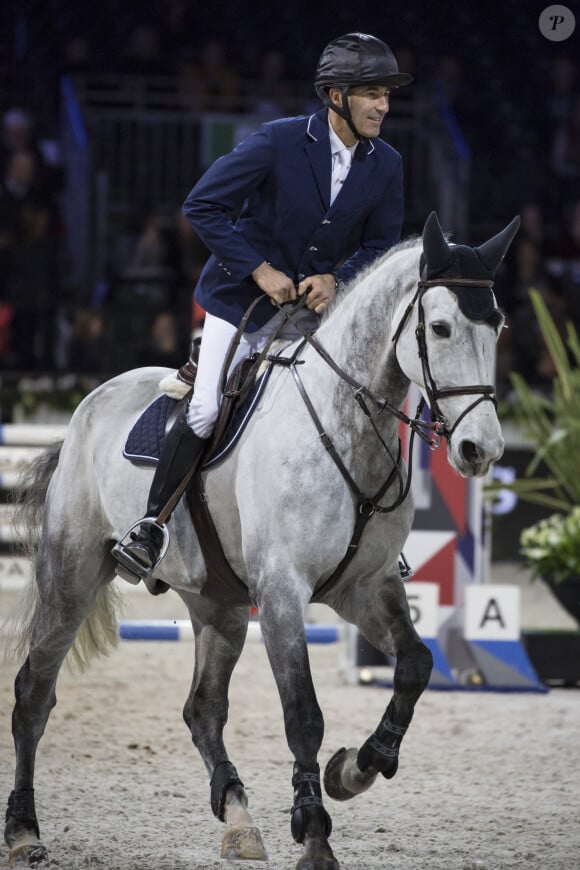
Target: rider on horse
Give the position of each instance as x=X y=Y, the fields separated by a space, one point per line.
x=319 y=198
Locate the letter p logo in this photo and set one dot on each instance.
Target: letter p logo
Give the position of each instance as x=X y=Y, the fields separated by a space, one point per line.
x=557 y=23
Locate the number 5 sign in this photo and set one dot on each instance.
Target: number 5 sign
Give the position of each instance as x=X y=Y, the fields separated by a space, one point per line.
x=423 y=601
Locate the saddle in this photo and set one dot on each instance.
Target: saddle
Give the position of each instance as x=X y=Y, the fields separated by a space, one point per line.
x=241 y=394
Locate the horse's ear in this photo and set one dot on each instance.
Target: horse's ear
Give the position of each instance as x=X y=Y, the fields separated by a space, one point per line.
x=494 y=250
x=435 y=247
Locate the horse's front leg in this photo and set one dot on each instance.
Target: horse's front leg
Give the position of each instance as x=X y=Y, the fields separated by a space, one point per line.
x=381 y=612
x=282 y=623
x=219 y=640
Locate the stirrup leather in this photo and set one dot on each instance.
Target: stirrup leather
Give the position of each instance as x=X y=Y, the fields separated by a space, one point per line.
x=129 y=567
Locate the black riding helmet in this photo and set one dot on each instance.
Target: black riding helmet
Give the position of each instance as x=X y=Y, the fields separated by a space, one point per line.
x=356 y=59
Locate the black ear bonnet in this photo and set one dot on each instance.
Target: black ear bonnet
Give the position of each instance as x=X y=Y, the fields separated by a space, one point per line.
x=444 y=261
x=476 y=303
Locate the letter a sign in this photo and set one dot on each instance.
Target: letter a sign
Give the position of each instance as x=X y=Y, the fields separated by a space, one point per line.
x=492 y=612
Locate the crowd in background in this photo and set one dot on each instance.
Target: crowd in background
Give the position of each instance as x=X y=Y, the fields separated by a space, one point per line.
x=144 y=312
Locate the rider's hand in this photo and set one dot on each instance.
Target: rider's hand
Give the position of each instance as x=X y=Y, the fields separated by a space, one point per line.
x=321 y=291
x=278 y=286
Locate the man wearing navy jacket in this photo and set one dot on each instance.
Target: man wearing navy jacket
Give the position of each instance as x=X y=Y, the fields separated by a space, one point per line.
x=317 y=199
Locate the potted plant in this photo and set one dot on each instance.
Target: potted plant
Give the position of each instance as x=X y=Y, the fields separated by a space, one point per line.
x=551 y=547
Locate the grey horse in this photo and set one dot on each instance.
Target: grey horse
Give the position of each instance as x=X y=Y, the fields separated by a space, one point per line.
x=320 y=451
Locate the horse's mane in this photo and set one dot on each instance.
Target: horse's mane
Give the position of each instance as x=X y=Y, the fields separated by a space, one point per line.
x=367 y=275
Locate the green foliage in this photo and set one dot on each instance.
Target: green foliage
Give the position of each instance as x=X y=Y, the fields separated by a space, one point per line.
x=552 y=546
x=552 y=423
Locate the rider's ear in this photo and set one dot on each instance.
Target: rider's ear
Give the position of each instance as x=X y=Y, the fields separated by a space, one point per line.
x=335 y=95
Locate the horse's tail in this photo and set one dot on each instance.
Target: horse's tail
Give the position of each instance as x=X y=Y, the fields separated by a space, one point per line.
x=29 y=498
x=99 y=632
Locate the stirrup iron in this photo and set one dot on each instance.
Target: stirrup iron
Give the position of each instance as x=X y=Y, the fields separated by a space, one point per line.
x=131 y=569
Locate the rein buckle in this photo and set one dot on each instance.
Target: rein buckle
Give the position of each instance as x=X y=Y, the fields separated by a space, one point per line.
x=439 y=433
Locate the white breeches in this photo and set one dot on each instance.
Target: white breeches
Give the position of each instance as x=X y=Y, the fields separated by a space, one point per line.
x=216 y=339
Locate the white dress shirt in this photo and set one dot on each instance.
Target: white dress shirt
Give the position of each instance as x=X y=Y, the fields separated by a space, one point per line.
x=341 y=162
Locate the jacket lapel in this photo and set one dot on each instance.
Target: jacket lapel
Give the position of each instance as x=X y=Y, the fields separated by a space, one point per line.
x=318 y=153
x=360 y=171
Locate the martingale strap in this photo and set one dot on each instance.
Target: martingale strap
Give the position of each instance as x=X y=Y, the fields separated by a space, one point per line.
x=366 y=506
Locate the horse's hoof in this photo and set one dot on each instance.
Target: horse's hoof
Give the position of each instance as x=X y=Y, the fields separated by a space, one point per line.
x=333 y=785
x=322 y=860
x=335 y=776
x=28 y=855
x=243 y=844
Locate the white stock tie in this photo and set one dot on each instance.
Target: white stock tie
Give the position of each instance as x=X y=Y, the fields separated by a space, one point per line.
x=340 y=166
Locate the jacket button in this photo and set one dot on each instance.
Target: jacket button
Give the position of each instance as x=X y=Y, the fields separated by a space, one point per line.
x=325 y=221
x=312 y=248
x=301 y=277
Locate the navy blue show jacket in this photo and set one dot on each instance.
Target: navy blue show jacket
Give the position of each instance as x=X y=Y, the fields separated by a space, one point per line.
x=269 y=199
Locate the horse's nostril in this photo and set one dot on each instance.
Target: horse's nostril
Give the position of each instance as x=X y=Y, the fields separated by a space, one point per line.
x=470 y=451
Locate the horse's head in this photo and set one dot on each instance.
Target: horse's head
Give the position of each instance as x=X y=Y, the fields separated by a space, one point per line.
x=446 y=343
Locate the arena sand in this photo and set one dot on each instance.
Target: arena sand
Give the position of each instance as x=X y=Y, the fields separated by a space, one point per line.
x=488 y=781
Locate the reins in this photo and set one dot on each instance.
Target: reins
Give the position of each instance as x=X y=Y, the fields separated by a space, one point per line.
x=366 y=506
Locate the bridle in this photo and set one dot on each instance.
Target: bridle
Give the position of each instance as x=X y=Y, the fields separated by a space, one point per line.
x=486 y=392
x=432 y=431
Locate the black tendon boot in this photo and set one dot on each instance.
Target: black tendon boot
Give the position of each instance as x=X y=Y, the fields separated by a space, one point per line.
x=182 y=450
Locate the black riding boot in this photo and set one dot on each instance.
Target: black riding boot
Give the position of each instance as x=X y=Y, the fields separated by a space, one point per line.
x=181 y=451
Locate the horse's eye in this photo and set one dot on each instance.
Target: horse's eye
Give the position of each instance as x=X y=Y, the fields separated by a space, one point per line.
x=441 y=329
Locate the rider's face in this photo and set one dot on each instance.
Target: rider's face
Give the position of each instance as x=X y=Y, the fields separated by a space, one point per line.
x=368 y=106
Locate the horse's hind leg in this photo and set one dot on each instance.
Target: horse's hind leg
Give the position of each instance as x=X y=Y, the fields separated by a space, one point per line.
x=61 y=608
x=382 y=614
x=219 y=640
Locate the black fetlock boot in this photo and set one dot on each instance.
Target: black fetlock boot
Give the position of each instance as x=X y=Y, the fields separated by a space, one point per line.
x=182 y=450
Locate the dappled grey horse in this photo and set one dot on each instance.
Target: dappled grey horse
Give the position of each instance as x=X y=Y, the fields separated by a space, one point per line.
x=317 y=481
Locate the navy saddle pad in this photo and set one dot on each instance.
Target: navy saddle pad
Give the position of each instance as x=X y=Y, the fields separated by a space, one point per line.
x=146 y=437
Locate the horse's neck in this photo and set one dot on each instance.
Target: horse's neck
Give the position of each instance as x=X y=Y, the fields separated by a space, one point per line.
x=357 y=335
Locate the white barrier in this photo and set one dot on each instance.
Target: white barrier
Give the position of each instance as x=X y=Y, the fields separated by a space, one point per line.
x=31 y=434
x=20 y=443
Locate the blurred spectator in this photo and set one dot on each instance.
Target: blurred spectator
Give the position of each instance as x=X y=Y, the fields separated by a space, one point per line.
x=527 y=352
x=29 y=262
x=145 y=279
x=563 y=262
x=564 y=90
x=209 y=82
x=450 y=153
x=192 y=251
x=21 y=182
x=18 y=135
x=406 y=96
x=87 y=352
x=183 y=22
x=143 y=55
x=32 y=289
x=532 y=226
x=146 y=265
x=166 y=345
x=566 y=154
x=77 y=56
x=270 y=95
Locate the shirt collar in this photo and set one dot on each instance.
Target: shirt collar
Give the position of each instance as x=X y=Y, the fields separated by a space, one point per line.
x=336 y=143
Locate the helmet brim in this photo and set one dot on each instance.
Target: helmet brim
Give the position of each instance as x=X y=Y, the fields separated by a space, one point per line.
x=397 y=80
